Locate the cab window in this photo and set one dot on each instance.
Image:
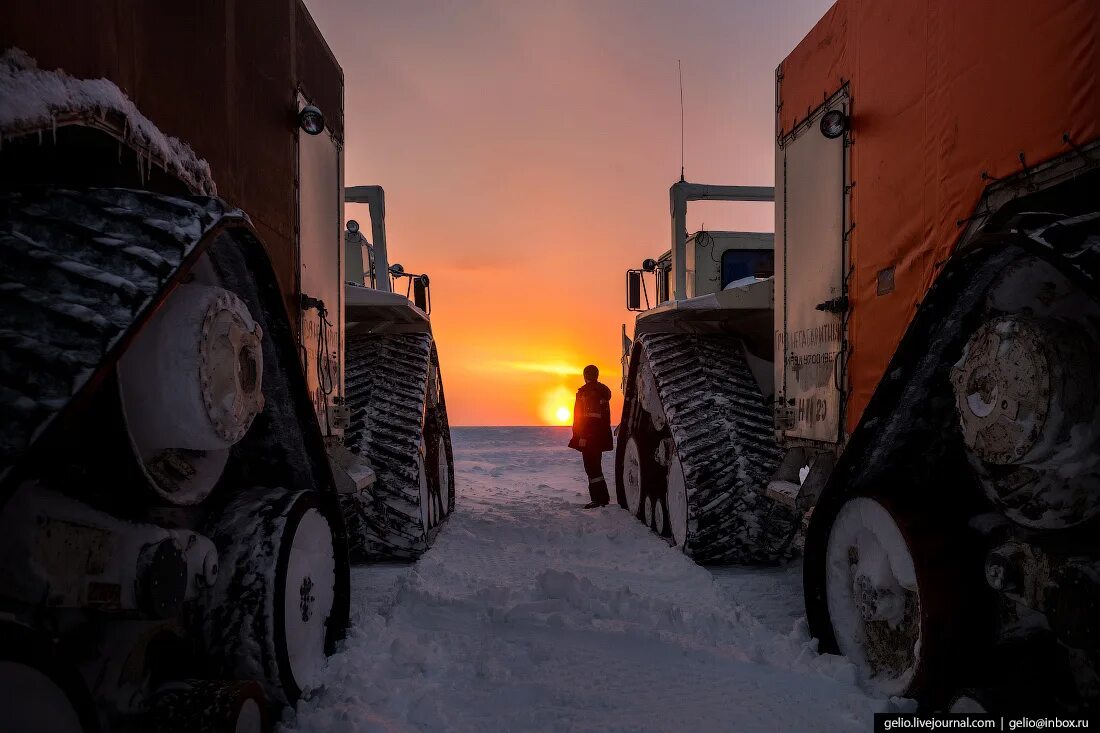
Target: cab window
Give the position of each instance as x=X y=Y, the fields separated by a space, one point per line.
x=738 y=264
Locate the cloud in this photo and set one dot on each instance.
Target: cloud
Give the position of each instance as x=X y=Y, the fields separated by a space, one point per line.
x=557 y=368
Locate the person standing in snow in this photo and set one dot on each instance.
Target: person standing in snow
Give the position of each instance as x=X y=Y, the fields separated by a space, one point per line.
x=592 y=433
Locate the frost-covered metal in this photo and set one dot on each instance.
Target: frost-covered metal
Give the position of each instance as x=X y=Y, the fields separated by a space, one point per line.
x=81 y=269
x=191 y=385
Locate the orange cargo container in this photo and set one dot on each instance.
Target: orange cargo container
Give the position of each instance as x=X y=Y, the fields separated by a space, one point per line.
x=946 y=98
x=938 y=317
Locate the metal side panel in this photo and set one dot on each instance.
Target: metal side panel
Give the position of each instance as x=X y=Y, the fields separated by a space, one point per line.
x=321 y=266
x=809 y=242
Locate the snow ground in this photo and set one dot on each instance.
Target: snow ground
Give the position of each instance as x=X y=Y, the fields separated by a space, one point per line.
x=530 y=614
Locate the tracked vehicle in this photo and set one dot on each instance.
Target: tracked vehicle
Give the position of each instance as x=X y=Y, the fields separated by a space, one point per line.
x=177 y=451
x=397 y=411
x=696 y=447
x=936 y=316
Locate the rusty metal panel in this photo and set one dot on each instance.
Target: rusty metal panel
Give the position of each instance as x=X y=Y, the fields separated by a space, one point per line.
x=809 y=239
x=187 y=99
x=82 y=38
x=264 y=108
x=319 y=76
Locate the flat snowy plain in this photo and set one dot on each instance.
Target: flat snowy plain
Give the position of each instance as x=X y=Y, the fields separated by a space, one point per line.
x=530 y=614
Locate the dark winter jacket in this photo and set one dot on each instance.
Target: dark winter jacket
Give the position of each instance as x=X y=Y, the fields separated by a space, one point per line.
x=592 y=418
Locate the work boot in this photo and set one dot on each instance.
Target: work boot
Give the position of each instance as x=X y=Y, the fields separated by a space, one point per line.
x=595 y=505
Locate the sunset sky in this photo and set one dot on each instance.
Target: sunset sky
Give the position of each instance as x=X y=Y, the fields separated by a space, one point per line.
x=526 y=149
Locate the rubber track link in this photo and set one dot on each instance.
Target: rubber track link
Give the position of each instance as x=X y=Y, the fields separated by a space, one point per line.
x=386 y=379
x=723 y=433
x=81 y=268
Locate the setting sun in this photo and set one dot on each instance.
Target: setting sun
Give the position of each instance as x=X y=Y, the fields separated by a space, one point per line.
x=555 y=408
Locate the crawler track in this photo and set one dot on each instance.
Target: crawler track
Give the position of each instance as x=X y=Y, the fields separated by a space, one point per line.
x=81 y=269
x=722 y=432
x=396 y=422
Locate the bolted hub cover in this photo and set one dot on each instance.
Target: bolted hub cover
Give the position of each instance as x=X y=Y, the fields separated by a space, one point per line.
x=1002 y=387
x=1026 y=392
x=191 y=384
x=231 y=365
x=161 y=579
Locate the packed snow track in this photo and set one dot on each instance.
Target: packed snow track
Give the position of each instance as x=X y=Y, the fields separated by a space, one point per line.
x=531 y=614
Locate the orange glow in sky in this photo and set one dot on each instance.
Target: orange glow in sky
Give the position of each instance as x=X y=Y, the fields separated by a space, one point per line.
x=527 y=148
x=557 y=406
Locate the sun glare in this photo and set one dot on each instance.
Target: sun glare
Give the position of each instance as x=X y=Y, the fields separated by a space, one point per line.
x=555 y=406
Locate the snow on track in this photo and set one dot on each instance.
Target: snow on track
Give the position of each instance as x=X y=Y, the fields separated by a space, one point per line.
x=531 y=614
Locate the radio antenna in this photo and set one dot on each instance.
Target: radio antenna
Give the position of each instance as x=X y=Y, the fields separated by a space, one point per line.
x=680 y=72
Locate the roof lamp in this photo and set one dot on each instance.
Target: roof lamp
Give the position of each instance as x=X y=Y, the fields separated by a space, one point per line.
x=834 y=123
x=311 y=120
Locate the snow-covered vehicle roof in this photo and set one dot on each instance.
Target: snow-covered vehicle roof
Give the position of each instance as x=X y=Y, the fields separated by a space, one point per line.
x=33 y=101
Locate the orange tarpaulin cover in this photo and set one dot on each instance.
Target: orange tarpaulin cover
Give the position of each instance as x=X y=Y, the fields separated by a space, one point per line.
x=941 y=91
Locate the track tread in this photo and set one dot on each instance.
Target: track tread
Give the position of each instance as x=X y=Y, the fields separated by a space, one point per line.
x=386 y=391
x=79 y=267
x=722 y=429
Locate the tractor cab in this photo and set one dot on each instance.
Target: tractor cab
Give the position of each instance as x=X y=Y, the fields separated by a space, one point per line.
x=714 y=261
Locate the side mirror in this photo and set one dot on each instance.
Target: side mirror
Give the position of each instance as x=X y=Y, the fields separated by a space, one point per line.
x=633 y=290
x=420 y=292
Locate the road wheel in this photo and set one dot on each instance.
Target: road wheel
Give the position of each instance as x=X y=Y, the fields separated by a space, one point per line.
x=43 y=693
x=898 y=602
x=214 y=706
x=874 y=596
x=677 y=502
x=631 y=477
x=274 y=615
x=438 y=462
x=427 y=500
x=660 y=522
